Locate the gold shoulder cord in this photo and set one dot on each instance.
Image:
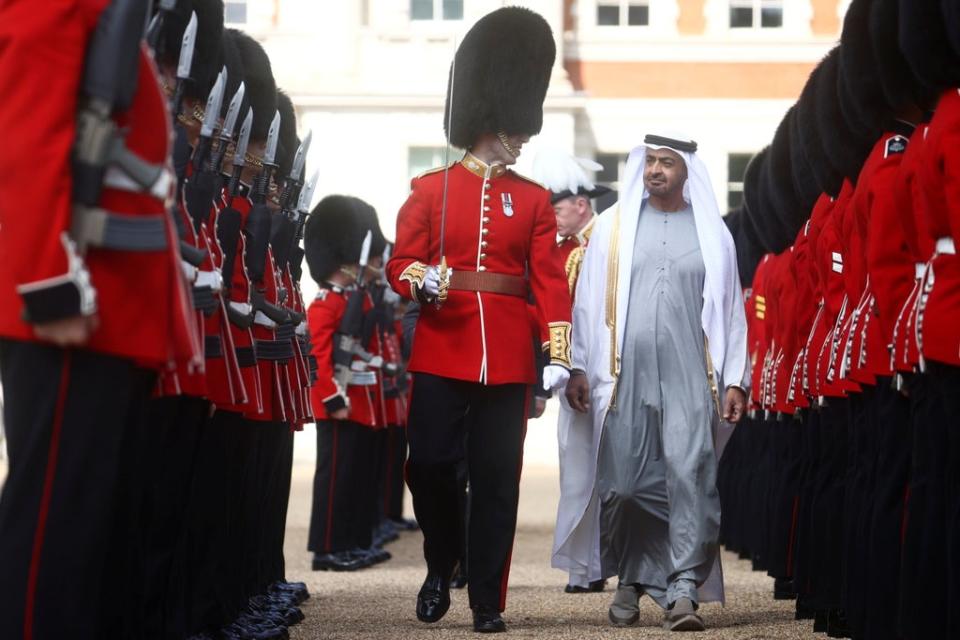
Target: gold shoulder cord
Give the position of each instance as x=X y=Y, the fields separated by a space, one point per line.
x=572 y=267
x=613 y=272
x=712 y=378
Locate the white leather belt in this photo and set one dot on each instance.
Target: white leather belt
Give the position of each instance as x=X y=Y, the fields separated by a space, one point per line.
x=116 y=178
x=241 y=307
x=945 y=246
x=211 y=279
x=261 y=319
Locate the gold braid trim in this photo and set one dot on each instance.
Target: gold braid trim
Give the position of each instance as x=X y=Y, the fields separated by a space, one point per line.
x=414 y=274
x=560 y=343
x=572 y=267
x=613 y=271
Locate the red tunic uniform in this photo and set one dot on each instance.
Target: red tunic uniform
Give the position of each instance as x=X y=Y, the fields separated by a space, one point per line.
x=327 y=395
x=938 y=331
x=141 y=298
x=756 y=311
x=500 y=223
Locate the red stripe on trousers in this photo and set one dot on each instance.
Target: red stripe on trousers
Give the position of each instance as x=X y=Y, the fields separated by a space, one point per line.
x=506 y=566
x=793 y=534
x=45 y=498
x=333 y=484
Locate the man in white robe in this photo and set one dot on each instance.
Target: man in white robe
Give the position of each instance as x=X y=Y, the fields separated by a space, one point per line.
x=660 y=359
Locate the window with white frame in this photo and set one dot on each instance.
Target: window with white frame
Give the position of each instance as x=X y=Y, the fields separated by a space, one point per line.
x=235 y=12
x=756 y=14
x=616 y=13
x=436 y=9
x=736 y=170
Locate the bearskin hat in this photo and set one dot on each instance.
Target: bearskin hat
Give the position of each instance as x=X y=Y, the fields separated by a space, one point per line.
x=825 y=171
x=333 y=236
x=207 y=57
x=749 y=249
x=499 y=77
x=846 y=150
x=861 y=92
x=289 y=143
x=924 y=43
x=371 y=223
x=951 y=18
x=790 y=209
x=258 y=78
x=804 y=180
x=752 y=179
x=234 y=65
x=900 y=87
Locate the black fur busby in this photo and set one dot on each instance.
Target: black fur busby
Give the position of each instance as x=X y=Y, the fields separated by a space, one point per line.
x=333 y=236
x=804 y=180
x=500 y=76
x=749 y=249
x=900 y=88
x=371 y=223
x=752 y=178
x=861 y=92
x=289 y=143
x=847 y=150
x=261 y=88
x=207 y=57
x=791 y=209
x=825 y=171
x=923 y=40
x=231 y=60
x=951 y=19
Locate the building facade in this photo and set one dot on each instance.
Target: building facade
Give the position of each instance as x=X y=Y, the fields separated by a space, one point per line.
x=369 y=76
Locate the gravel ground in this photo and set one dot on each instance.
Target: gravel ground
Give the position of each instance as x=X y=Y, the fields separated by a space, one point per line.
x=379 y=602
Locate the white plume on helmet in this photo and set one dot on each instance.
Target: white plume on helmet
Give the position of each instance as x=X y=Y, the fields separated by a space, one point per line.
x=559 y=171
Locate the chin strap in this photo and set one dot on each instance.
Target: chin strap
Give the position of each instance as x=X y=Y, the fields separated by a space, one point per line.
x=506 y=144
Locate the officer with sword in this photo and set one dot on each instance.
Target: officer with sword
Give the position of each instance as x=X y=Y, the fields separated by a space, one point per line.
x=473 y=239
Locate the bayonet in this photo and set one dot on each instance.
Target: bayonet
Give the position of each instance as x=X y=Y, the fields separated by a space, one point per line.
x=306 y=194
x=153 y=31
x=294 y=181
x=233 y=112
x=261 y=185
x=185 y=62
x=273 y=137
x=239 y=156
x=211 y=114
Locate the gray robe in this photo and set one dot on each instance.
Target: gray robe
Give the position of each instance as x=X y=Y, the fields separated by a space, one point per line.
x=656 y=469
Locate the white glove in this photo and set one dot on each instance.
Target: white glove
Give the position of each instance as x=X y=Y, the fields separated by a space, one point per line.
x=431 y=281
x=555 y=377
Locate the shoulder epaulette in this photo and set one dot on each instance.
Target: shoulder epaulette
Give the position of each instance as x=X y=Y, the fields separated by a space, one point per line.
x=530 y=180
x=435 y=170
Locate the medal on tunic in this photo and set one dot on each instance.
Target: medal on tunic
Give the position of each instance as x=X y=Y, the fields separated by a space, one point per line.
x=507 y=204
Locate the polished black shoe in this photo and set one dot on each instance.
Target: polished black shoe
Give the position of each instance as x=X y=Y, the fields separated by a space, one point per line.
x=487 y=620
x=594 y=587
x=783 y=589
x=820 y=621
x=339 y=561
x=297 y=589
x=405 y=524
x=459 y=579
x=837 y=625
x=433 y=599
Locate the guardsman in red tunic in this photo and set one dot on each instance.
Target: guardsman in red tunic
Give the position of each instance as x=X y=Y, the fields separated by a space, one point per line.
x=92 y=303
x=346 y=389
x=473 y=239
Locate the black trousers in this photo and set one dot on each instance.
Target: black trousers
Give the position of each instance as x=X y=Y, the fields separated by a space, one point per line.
x=923 y=587
x=393 y=486
x=73 y=422
x=276 y=500
x=174 y=429
x=787 y=441
x=340 y=516
x=806 y=552
x=443 y=412
x=890 y=478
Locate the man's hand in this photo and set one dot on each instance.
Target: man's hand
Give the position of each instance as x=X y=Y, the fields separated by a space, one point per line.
x=539 y=406
x=733 y=405
x=554 y=377
x=68 y=332
x=578 y=392
x=341 y=414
